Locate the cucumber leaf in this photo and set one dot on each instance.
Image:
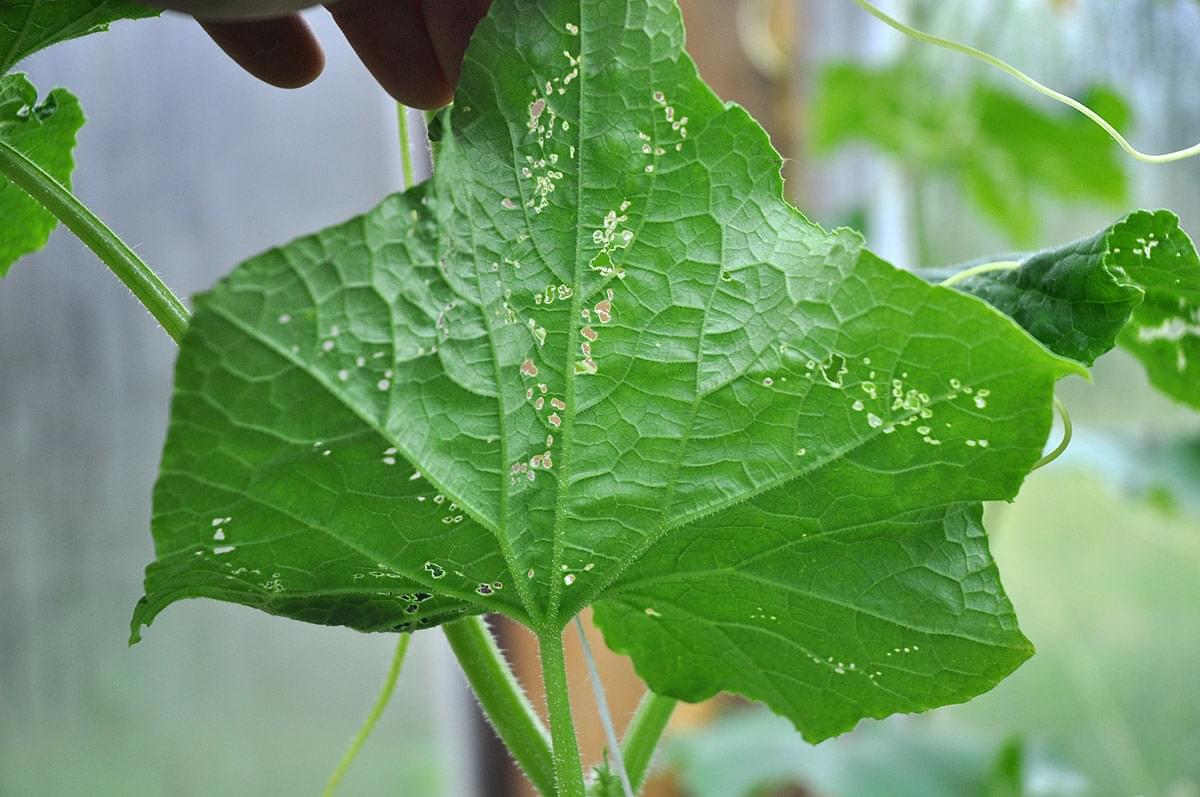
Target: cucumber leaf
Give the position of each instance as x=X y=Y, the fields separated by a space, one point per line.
x=27 y=26
x=45 y=133
x=1135 y=284
x=599 y=359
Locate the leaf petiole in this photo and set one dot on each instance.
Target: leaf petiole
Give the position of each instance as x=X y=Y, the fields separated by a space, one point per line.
x=643 y=735
x=568 y=769
x=406 y=158
x=141 y=280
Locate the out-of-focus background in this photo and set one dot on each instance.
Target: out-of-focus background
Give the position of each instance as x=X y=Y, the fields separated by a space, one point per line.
x=935 y=158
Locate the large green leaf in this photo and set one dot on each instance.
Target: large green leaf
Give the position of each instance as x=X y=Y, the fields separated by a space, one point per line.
x=45 y=133
x=27 y=26
x=1001 y=150
x=1136 y=283
x=600 y=359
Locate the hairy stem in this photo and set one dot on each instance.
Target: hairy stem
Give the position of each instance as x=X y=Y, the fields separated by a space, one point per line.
x=610 y=732
x=643 y=735
x=568 y=770
x=385 y=695
x=149 y=289
x=503 y=701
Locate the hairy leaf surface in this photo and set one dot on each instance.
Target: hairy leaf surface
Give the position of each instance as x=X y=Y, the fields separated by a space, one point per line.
x=1002 y=151
x=1136 y=284
x=27 y=26
x=598 y=358
x=45 y=133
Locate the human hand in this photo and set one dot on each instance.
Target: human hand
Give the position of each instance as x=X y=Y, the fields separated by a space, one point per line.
x=414 y=48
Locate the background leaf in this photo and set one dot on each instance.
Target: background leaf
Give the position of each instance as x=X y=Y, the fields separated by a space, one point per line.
x=45 y=133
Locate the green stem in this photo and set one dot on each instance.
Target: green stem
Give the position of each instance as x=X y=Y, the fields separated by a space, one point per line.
x=568 y=769
x=164 y=305
x=406 y=161
x=385 y=694
x=504 y=702
x=644 y=732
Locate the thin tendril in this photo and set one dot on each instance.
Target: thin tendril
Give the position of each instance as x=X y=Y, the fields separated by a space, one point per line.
x=1066 y=441
x=385 y=694
x=1012 y=71
x=975 y=271
x=610 y=733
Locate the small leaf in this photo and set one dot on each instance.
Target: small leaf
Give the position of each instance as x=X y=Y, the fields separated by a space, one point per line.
x=27 y=26
x=45 y=133
x=600 y=358
x=1136 y=284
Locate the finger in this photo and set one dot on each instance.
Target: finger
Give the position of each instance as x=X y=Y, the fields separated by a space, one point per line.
x=233 y=9
x=390 y=38
x=450 y=25
x=282 y=51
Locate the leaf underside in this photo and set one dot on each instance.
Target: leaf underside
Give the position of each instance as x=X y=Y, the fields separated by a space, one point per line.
x=1135 y=284
x=27 y=26
x=45 y=133
x=599 y=360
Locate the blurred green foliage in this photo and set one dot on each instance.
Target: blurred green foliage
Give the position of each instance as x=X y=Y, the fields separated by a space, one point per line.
x=749 y=753
x=1003 y=151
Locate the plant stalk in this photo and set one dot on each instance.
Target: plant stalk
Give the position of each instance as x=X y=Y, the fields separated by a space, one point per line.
x=504 y=702
x=568 y=769
x=141 y=280
x=643 y=735
x=406 y=159
x=381 y=702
